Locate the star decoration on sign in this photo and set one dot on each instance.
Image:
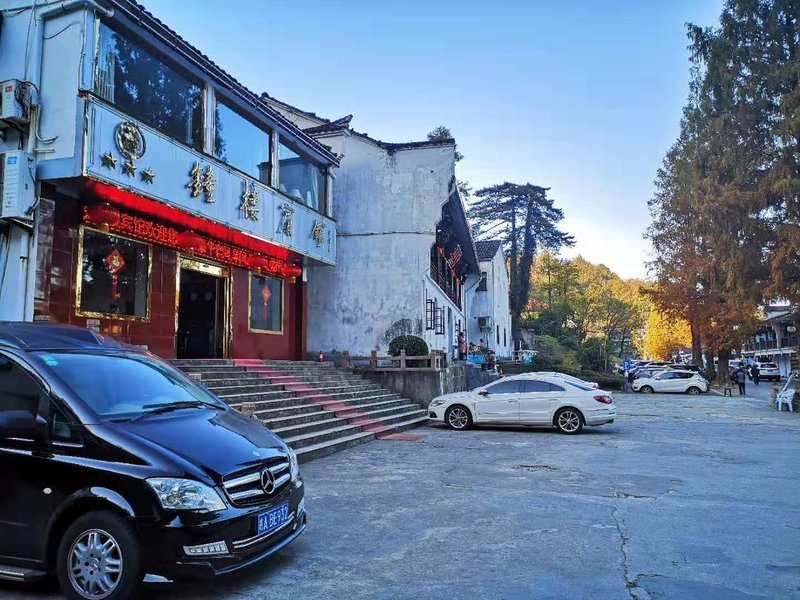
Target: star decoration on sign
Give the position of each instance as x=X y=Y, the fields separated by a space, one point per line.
x=109 y=160
x=148 y=175
x=128 y=168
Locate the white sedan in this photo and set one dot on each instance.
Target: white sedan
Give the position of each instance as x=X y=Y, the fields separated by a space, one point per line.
x=684 y=382
x=527 y=399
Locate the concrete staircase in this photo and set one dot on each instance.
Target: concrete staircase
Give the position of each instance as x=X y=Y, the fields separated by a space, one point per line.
x=316 y=408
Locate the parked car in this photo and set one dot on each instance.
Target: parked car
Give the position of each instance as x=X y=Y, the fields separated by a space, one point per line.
x=527 y=399
x=769 y=371
x=115 y=465
x=685 y=382
x=571 y=379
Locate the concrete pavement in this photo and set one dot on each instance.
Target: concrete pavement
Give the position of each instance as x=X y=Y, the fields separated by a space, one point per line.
x=683 y=497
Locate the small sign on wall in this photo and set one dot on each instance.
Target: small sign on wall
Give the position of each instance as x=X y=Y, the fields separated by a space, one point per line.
x=93 y=324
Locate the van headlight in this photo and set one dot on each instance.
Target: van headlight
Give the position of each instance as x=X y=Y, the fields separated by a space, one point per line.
x=294 y=466
x=185 y=494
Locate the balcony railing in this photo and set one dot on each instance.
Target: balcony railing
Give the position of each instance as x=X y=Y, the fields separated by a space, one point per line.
x=790 y=341
x=752 y=345
x=443 y=281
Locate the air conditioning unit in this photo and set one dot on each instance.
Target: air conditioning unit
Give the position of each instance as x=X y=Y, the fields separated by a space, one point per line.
x=485 y=322
x=17 y=184
x=15 y=102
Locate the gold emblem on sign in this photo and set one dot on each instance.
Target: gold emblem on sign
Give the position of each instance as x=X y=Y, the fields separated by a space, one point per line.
x=249 y=205
x=202 y=182
x=318 y=233
x=285 y=226
x=131 y=144
x=109 y=160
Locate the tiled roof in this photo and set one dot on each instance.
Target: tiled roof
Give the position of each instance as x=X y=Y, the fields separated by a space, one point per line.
x=328 y=126
x=139 y=15
x=486 y=249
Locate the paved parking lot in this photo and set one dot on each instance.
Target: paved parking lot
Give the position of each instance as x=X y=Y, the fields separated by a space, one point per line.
x=683 y=497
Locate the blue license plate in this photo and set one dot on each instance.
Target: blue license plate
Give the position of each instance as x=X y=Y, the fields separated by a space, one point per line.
x=273 y=519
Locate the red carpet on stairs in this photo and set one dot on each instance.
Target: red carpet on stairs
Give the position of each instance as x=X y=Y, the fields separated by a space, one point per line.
x=339 y=408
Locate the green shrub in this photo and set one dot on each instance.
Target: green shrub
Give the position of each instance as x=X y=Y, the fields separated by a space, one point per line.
x=590 y=354
x=413 y=345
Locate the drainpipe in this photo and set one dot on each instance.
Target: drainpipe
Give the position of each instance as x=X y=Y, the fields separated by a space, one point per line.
x=70 y=5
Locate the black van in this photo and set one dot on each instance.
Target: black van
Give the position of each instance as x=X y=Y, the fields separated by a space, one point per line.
x=114 y=465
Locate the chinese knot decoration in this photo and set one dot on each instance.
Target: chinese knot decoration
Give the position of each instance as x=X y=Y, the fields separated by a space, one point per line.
x=318 y=233
x=115 y=263
x=202 y=182
x=265 y=295
x=249 y=205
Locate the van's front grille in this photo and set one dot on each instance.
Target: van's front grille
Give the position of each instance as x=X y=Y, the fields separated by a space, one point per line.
x=246 y=488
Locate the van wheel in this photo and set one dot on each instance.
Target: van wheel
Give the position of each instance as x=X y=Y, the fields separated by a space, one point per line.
x=694 y=391
x=568 y=420
x=98 y=558
x=458 y=417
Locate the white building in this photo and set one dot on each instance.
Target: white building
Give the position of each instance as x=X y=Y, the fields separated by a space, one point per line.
x=405 y=257
x=489 y=314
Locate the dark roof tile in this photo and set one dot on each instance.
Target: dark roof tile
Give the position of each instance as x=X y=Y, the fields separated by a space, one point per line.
x=486 y=249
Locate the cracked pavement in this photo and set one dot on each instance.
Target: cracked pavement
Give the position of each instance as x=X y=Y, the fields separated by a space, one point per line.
x=682 y=497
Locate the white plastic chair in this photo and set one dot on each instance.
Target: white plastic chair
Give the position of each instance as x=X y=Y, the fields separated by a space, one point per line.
x=785 y=397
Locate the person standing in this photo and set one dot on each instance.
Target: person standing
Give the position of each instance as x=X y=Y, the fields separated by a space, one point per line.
x=741 y=378
x=755 y=373
x=462 y=346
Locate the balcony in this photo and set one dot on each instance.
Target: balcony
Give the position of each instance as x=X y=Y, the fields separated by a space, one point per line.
x=447 y=284
x=179 y=176
x=753 y=346
x=791 y=341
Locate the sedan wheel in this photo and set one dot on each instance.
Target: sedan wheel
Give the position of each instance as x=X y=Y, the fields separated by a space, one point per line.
x=694 y=391
x=458 y=417
x=646 y=389
x=569 y=420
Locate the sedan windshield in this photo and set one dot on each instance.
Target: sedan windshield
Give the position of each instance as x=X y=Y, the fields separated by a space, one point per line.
x=125 y=385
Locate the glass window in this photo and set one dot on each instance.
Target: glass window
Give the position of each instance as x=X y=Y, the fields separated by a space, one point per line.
x=300 y=178
x=19 y=398
x=138 y=83
x=504 y=387
x=482 y=283
x=534 y=385
x=266 y=304
x=556 y=388
x=123 y=384
x=241 y=144
x=114 y=276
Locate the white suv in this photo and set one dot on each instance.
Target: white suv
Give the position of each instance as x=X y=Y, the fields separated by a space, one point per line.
x=684 y=382
x=768 y=370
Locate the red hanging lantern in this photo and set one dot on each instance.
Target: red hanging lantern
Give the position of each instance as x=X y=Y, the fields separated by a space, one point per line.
x=258 y=263
x=189 y=241
x=102 y=215
x=293 y=271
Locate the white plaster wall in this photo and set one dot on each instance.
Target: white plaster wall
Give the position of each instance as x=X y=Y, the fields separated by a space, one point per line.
x=492 y=303
x=387 y=205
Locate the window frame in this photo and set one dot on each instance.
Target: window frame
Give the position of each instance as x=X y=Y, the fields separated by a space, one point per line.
x=483 y=283
x=79 y=278
x=278 y=141
x=430 y=315
x=156 y=52
x=252 y=329
x=230 y=104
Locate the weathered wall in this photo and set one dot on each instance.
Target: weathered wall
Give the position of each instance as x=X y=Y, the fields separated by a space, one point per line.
x=494 y=303
x=387 y=205
x=424 y=386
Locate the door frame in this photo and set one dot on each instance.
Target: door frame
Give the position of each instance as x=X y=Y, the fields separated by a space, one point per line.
x=214 y=270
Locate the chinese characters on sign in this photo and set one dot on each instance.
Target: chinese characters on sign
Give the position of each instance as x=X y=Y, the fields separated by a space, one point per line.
x=285 y=226
x=202 y=182
x=249 y=205
x=318 y=233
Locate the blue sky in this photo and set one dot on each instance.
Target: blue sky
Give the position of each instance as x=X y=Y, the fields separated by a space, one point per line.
x=581 y=96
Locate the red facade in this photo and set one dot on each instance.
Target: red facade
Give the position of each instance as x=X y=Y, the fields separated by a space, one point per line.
x=57 y=292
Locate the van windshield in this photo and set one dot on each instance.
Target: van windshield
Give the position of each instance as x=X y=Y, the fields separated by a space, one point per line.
x=124 y=385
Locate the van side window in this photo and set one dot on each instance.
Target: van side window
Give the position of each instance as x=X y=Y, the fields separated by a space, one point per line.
x=19 y=395
x=61 y=428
